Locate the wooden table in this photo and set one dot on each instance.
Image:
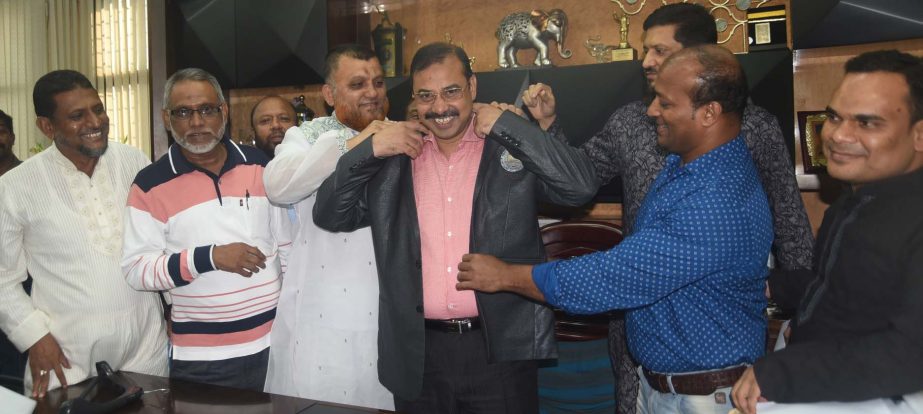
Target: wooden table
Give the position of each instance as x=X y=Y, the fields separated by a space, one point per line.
x=194 y=398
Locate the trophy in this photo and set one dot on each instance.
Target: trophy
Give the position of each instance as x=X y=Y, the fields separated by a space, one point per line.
x=388 y=39
x=624 y=51
x=302 y=112
x=597 y=50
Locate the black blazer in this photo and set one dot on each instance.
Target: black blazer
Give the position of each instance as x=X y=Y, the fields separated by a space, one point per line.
x=365 y=190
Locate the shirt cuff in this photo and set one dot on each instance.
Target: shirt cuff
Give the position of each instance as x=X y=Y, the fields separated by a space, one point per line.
x=30 y=330
x=203 y=259
x=546 y=280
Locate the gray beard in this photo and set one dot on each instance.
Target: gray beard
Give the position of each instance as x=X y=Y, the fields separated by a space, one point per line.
x=198 y=149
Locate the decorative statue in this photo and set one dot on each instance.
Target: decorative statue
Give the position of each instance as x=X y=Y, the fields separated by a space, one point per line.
x=623 y=30
x=624 y=51
x=596 y=49
x=531 y=31
x=389 y=45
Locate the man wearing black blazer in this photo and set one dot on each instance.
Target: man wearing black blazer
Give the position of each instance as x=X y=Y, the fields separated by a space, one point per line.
x=433 y=356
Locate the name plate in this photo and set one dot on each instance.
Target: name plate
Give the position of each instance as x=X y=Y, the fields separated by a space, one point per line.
x=623 y=54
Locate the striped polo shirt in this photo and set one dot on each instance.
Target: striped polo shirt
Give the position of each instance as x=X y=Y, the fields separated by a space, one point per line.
x=177 y=213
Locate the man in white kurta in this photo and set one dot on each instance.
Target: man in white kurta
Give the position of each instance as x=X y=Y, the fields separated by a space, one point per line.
x=63 y=226
x=325 y=336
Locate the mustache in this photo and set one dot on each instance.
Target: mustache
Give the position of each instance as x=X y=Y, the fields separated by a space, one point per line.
x=205 y=131
x=448 y=112
x=845 y=149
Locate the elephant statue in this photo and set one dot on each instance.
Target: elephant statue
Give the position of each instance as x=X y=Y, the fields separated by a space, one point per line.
x=531 y=31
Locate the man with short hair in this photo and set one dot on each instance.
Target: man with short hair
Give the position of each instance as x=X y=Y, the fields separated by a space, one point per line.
x=8 y=159
x=324 y=340
x=431 y=196
x=269 y=119
x=627 y=147
x=691 y=276
x=200 y=228
x=61 y=222
x=857 y=334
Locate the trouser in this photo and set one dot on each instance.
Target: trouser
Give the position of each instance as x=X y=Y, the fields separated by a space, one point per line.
x=457 y=379
x=651 y=401
x=247 y=372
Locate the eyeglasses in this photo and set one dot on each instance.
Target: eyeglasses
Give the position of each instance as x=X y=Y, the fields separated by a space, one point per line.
x=205 y=111
x=448 y=94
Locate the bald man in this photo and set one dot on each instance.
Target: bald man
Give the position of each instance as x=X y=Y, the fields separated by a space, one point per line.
x=270 y=118
x=691 y=277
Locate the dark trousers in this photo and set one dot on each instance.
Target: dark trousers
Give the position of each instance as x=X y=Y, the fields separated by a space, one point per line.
x=246 y=372
x=457 y=379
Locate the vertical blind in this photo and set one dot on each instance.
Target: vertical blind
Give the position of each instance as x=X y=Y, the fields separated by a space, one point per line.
x=23 y=41
x=122 y=69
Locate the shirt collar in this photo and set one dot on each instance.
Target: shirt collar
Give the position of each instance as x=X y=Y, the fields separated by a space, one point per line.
x=65 y=162
x=181 y=165
x=728 y=150
x=338 y=124
x=901 y=184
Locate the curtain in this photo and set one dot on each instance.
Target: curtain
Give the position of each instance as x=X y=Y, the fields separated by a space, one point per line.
x=23 y=42
x=122 y=70
x=106 y=40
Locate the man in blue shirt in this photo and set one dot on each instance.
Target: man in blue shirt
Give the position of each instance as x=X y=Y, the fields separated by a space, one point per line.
x=692 y=274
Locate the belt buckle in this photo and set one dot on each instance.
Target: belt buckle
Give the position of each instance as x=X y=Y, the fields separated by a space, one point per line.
x=459 y=325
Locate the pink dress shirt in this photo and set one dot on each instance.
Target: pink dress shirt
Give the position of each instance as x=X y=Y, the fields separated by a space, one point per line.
x=444 y=192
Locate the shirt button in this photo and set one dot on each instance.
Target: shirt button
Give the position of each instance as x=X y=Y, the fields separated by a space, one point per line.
x=449 y=269
x=451 y=166
x=449 y=234
x=450 y=199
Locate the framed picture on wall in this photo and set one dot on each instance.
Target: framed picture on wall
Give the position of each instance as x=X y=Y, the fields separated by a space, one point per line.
x=810 y=124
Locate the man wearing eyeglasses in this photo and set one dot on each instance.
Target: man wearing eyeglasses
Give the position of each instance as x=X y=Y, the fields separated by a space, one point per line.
x=429 y=200
x=200 y=228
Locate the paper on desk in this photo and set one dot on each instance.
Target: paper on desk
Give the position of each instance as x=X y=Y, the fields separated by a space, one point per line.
x=14 y=403
x=878 y=406
x=780 y=340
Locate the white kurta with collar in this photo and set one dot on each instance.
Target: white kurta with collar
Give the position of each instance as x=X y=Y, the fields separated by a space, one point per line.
x=325 y=337
x=65 y=229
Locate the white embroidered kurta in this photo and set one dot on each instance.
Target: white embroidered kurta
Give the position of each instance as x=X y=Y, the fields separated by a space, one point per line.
x=65 y=229
x=325 y=337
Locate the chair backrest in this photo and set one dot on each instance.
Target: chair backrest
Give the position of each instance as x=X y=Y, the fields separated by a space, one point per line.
x=567 y=239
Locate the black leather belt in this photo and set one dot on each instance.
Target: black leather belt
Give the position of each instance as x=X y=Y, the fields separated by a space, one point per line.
x=702 y=383
x=453 y=325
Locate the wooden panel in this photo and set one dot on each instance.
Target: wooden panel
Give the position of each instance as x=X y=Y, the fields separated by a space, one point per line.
x=471 y=24
x=817 y=73
x=241 y=102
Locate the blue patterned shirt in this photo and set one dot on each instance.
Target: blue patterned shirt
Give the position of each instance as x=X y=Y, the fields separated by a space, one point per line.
x=691 y=276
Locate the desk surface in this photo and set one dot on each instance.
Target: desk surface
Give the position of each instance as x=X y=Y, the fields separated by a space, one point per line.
x=189 y=397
